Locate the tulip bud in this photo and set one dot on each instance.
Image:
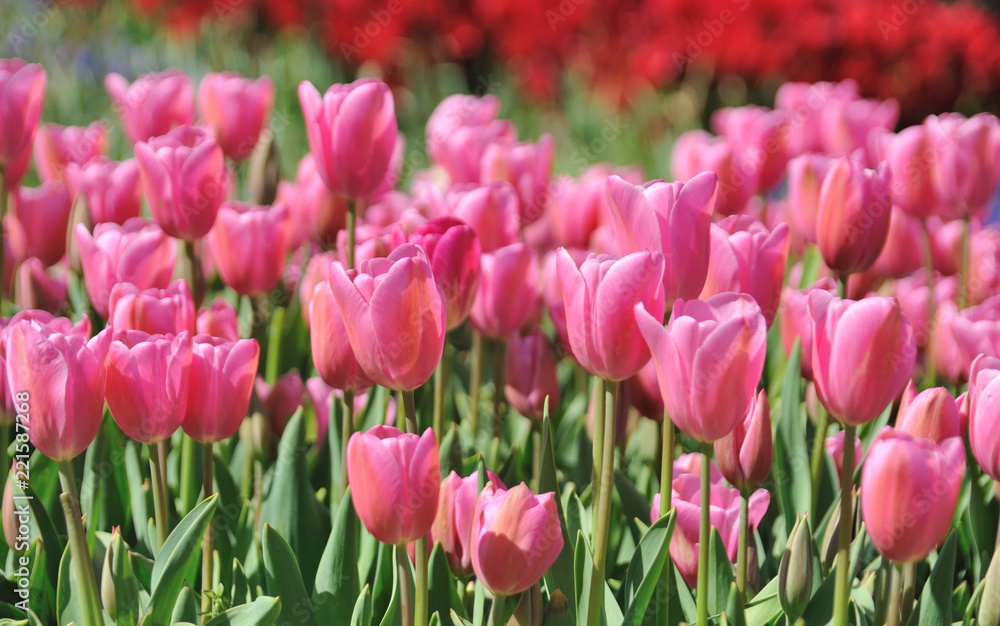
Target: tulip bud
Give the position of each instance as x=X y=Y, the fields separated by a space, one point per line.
x=854 y=212
x=10 y=521
x=529 y=611
x=507 y=296
x=37 y=288
x=118 y=585
x=167 y=311
x=744 y=455
x=795 y=574
x=249 y=244
x=453 y=522
x=264 y=171
x=530 y=374
x=107 y=578
x=989 y=605
x=237 y=109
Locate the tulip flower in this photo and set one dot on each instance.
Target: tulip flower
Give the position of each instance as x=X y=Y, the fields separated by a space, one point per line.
x=904 y=250
x=966 y=169
x=708 y=361
x=516 y=537
x=846 y=123
x=909 y=490
x=57 y=147
x=352 y=134
x=507 y=296
x=912 y=157
x=931 y=414
x=975 y=331
x=40 y=220
x=395 y=480
x=671 y=218
x=862 y=355
x=796 y=321
x=221 y=381
x=914 y=293
x=984 y=416
x=185 y=180
x=64 y=377
x=491 y=210
x=453 y=250
x=530 y=374
x=696 y=152
x=167 y=311
x=318 y=213
x=459 y=131
x=395 y=316
x=153 y=104
x=456 y=513
x=747 y=258
x=760 y=135
x=806 y=174
x=854 y=212
x=15 y=168
x=527 y=166
x=644 y=391
x=577 y=207
x=600 y=296
x=36 y=288
x=744 y=455
x=22 y=90
x=333 y=355
x=835 y=447
x=237 y=109
x=148 y=378
x=111 y=188
x=315 y=273
x=218 y=320
x=280 y=400
x=249 y=244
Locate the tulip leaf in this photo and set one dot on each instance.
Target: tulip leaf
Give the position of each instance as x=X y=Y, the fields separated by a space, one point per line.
x=263 y=611
x=634 y=504
x=389 y=619
x=735 y=610
x=384 y=585
x=41 y=587
x=290 y=505
x=138 y=495
x=791 y=454
x=180 y=551
x=560 y=575
x=935 y=599
x=337 y=581
x=52 y=547
x=820 y=608
x=720 y=573
x=435 y=619
x=646 y=569
x=611 y=612
x=92 y=487
x=284 y=580
x=362 y=614
x=459 y=621
x=126 y=586
x=185 y=609
x=68 y=606
x=142 y=567
x=765 y=606
x=441 y=584
x=240 y=592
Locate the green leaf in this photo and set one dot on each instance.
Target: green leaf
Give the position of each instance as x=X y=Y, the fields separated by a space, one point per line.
x=720 y=573
x=611 y=612
x=791 y=454
x=560 y=575
x=126 y=586
x=263 y=611
x=46 y=531
x=362 y=614
x=735 y=611
x=185 y=609
x=441 y=584
x=459 y=621
x=142 y=567
x=139 y=495
x=180 y=551
x=241 y=588
x=935 y=599
x=646 y=569
x=68 y=607
x=389 y=619
x=284 y=580
x=337 y=581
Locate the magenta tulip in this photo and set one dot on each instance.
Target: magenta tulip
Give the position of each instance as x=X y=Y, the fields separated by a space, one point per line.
x=745 y=454
x=527 y=166
x=57 y=147
x=37 y=288
x=984 y=413
x=846 y=123
x=15 y=169
x=249 y=244
x=315 y=273
x=453 y=249
x=221 y=381
x=153 y=104
x=280 y=400
x=459 y=131
x=491 y=210
x=854 y=212
x=456 y=512
x=111 y=188
x=796 y=320
x=530 y=374
x=577 y=207
x=237 y=109
x=22 y=90
x=966 y=170
x=154 y=311
x=395 y=480
x=507 y=296
x=40 y=220
x=904 y=249
x=805 y=180
x=644 y=391
x=975 y=331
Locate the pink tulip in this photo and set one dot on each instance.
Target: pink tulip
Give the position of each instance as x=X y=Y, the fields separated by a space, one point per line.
x=796 y=321
x=456 y=512
x=185 y=180
x=317 y=213
x=724 y=516
x=516 y=537
x=40 y=220
x=760 y=135
x=913 y=294
x=352 y=134
x=708 y=361
x=835 y=448
x=332 y=353
x=863 y=354
x=747 y=258
x=249 y=246
x=57 y=147
x=459 y=131
x=530 y=374
x=154 y=311
x=153 y=104
x=527 y=166
x=237 y=109
x=912 y=157
x=976 y=331
x=745 y=454
x=395 y=480
x=218 y=320
x=64 y=377
x=492 y=210
x=983 y=280
x=949 y=358
x=453 y=249
x=315 y=273
x=600 y=296
x=507 y=296
x=36 y=288
x=111 y=188
x=22 y=90
x=280 y=400
x=15 y=168
x=966 y=169
x=696 y=152
x=552 y=296
x=946 y=241
x=672 y=218
x=221 y=381
x=61 y=325
x=805 y=180
x=576 y=207
x=909 y=490
x=148 y=383
x=904 y=250
x=644 y=390
x=804 y=104
x=931 y=414
x=395 y=316
x=854 y=213
x=371 y=242
x=984 y=415
x=845 y=124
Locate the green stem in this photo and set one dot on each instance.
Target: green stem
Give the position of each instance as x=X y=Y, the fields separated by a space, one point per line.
x=893 y=618
x=881 y=594
x=818 y=453
x=410 y=409
x=207 y=547
x=931 y=367
x=703 y=533
x=159 y=496
x=741 y=550
x=498 y=388
x=420 y=602
x=440 y=382
x=475 y=380
x=82 y=564
x=346 y=432
x=407 y=607
x=842 y=285
x=536 y=453
x=598 y=452
x=274 y=327
x=351 y=220
x=962 y=298
x=909 y=589
x=197 y=278
x=604 y=505
x=668 y=434
x=842 y=590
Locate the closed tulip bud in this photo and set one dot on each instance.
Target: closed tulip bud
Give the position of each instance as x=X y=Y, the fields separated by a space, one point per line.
x=237 y=109
x=507 y=296
x=57 y=147
x=863 y=354
x=747 y=258
x=456 y=513
x=795 y=573
x=854 y=211
x=395 y=316
x=966 y=170
x=37 y=288
x=137 y=252
x=708 y=361
x=10 y=517
x=805 y=180
x=280 y=400
x=835 y=448
x=167 y=311
x=459 y=131
x=185 y=180
x=516 y=537
x=318 y=213
x=453 y=250
x=395 y=480
x=530 y=374
x=744 y=455
x=249 y=244
x=153 y=104
x=111 y=189
x=697 y=151
x=600 y=296
x=527 y=166
x=22 y=91
x=64 y=377
x=218 y=320
x=909 y=490
x=984 y=415
x=932 y=414
x=332 y=353
x=221 y=381
x=796 y=321
x=671 y=218
x=264 y=171
x=39 y=219
x=352 y=134
x=491 y=210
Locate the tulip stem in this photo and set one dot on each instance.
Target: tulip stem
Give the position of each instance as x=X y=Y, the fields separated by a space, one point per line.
x=604 y=505
x=440 y=382
x=893 y=617
x=347 y=430
x=82 y=564
x=962 y=298
x=159 y=495
x=842 y=285
x=819 y=447
x=207 y=547
x=703 y=530
x=475 y=380
x=881 y=592
x=420 y=602
x=197 y=277
x=931 y=366
x=667 y=437
x=498 y=388
x=842 y=590
x=405 y=577
x=598 y=453
x=741 y=550
x=410 y=408
x=351 y=219
x=909 y=589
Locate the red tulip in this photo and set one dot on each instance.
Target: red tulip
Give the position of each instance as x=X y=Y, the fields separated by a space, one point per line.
x=237 y=109
x=459 y=131
x=22 y=90
x=40 y=218
x=167 y=311
x=530 y=374
x=153 y=104
x=221 y=381
x=249 y=246
x=527 y=166
x=281 y=400
x=111 y=188
x=491 y=210
x=456 y=513
x=57 y=147
x=745 y=454
x=453 y=249
x=854 y=212
x=507 y=296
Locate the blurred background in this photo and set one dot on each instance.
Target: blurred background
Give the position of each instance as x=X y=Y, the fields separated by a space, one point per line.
x=612 y=80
